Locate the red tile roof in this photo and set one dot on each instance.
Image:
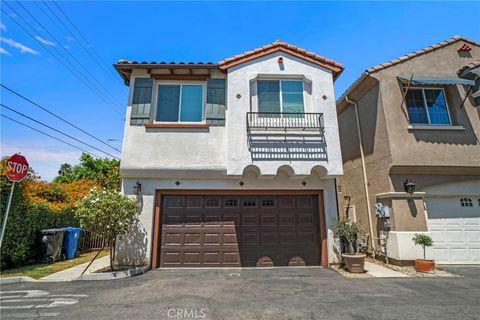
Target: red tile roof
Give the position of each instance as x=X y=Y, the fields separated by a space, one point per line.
x=126 y=62
x=401 y=59
x=420 y=52
x=280 y=45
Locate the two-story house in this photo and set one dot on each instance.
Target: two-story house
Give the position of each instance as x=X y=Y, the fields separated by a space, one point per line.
x=234 y=162
x=409 y=131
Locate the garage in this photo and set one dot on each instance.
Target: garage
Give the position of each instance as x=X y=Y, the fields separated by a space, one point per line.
x=454 y=225
x=235 y=230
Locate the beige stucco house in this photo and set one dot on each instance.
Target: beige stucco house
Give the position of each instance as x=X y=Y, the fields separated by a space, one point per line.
x=415 y=120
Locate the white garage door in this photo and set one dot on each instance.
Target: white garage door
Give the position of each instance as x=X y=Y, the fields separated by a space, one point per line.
x=455 y=230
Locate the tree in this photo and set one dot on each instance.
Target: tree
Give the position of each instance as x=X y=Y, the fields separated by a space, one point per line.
x=348 y=230
x=422 y=240
x=107 y=214
x=106 y=172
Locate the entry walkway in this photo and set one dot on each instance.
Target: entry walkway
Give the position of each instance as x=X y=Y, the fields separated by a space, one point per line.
x=376 y=270
x=73 y=273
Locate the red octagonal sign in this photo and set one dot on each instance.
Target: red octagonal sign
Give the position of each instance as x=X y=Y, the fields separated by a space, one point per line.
x=17 y=168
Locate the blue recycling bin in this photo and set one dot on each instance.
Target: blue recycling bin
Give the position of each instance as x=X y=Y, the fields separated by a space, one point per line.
x=70 y=242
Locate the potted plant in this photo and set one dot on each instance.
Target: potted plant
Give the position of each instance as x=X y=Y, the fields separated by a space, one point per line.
x=349 y=232
x=423 y=265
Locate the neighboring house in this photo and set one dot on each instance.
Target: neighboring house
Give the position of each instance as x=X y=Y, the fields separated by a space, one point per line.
x=234 y=162
x=419 y=118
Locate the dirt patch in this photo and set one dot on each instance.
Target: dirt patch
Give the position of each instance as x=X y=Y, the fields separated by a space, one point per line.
x=108 y=269
x=350 y=275
x=410 y=270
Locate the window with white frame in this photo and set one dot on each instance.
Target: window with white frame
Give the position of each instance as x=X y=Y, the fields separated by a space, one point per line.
x=466 y=202
x=180 y=103
x=427 y=106
x=280 y=96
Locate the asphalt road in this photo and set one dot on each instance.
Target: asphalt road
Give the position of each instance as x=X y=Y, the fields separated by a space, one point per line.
x=308 y=293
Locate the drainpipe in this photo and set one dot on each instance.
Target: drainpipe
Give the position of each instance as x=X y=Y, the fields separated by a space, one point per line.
x=364 y=173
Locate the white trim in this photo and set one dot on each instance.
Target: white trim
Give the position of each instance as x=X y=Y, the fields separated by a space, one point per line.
x=435 y=127
x=426 y=108
x=180 y=83
x=450 y=195
x=400 y=195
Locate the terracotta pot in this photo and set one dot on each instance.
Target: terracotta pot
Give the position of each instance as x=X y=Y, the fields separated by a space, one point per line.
x=425 y=266
x=355 y=262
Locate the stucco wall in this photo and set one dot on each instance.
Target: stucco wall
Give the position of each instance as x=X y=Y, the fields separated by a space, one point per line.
x=432 y=147
x=150 y=153
x=240 y=82
x=135 y=249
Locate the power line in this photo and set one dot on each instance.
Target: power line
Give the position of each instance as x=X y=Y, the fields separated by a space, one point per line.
x=108 y=70
x=85 y=39
x=69 y=53
x=50 y=52
x=48 y=135
x=57 y=116
x=56 y=130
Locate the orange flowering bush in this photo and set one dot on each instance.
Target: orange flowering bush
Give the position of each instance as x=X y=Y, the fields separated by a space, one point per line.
x=56 y=196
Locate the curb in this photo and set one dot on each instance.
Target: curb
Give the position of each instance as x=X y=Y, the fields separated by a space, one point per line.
x=113 y=275
x=10 y=280
x=86 y=277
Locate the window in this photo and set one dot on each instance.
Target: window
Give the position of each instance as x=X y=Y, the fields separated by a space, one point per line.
x=427 y=106
x=280 y=96
x=466 y=202
x=179 y=103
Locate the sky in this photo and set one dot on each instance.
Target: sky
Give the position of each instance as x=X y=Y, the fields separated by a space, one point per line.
x=79 y=83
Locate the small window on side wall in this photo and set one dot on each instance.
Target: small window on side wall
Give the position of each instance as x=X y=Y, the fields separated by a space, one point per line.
x=466 y=202
x=427 y=106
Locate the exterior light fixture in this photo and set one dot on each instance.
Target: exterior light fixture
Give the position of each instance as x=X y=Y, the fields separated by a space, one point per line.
x=280 y=59
x=241 y=183
x=409 y=186
x=137 y=188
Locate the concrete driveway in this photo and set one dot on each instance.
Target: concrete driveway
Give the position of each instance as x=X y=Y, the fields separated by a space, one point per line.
x=308 y=293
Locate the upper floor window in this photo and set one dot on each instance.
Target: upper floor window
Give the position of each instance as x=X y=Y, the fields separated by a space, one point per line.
x=280 y=96
x=466 y=202
x=427 y=106
x=180 y=103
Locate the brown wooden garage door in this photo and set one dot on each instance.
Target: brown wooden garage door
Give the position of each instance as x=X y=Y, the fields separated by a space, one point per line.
x=232 y=231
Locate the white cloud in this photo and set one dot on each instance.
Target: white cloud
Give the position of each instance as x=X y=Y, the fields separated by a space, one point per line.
x=14 y=44
x=3 y=27
x=45 y=41
x=66 y=47
x=43 y=161
x=71 y=39
x=5 y=52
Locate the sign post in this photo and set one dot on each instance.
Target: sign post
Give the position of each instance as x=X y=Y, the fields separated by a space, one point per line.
x=16 y=170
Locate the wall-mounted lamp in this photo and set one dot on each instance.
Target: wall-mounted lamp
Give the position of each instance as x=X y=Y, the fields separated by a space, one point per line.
x=280 y=60
x=409 y=186
x=137 y=188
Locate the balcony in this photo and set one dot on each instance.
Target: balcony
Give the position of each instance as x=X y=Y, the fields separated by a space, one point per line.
x=284 y=121
x=287 y=136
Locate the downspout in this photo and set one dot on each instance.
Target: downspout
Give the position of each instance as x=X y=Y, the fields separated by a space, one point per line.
x=364 y=173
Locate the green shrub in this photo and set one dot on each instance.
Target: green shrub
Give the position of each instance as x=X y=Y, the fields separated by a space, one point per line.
x=422 y=240
x=107 y=214
x=348 y=230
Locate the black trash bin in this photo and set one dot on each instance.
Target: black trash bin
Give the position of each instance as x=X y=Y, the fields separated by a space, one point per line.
x=51 y=245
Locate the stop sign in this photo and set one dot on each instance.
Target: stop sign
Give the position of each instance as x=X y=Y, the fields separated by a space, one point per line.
x=17 y=168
